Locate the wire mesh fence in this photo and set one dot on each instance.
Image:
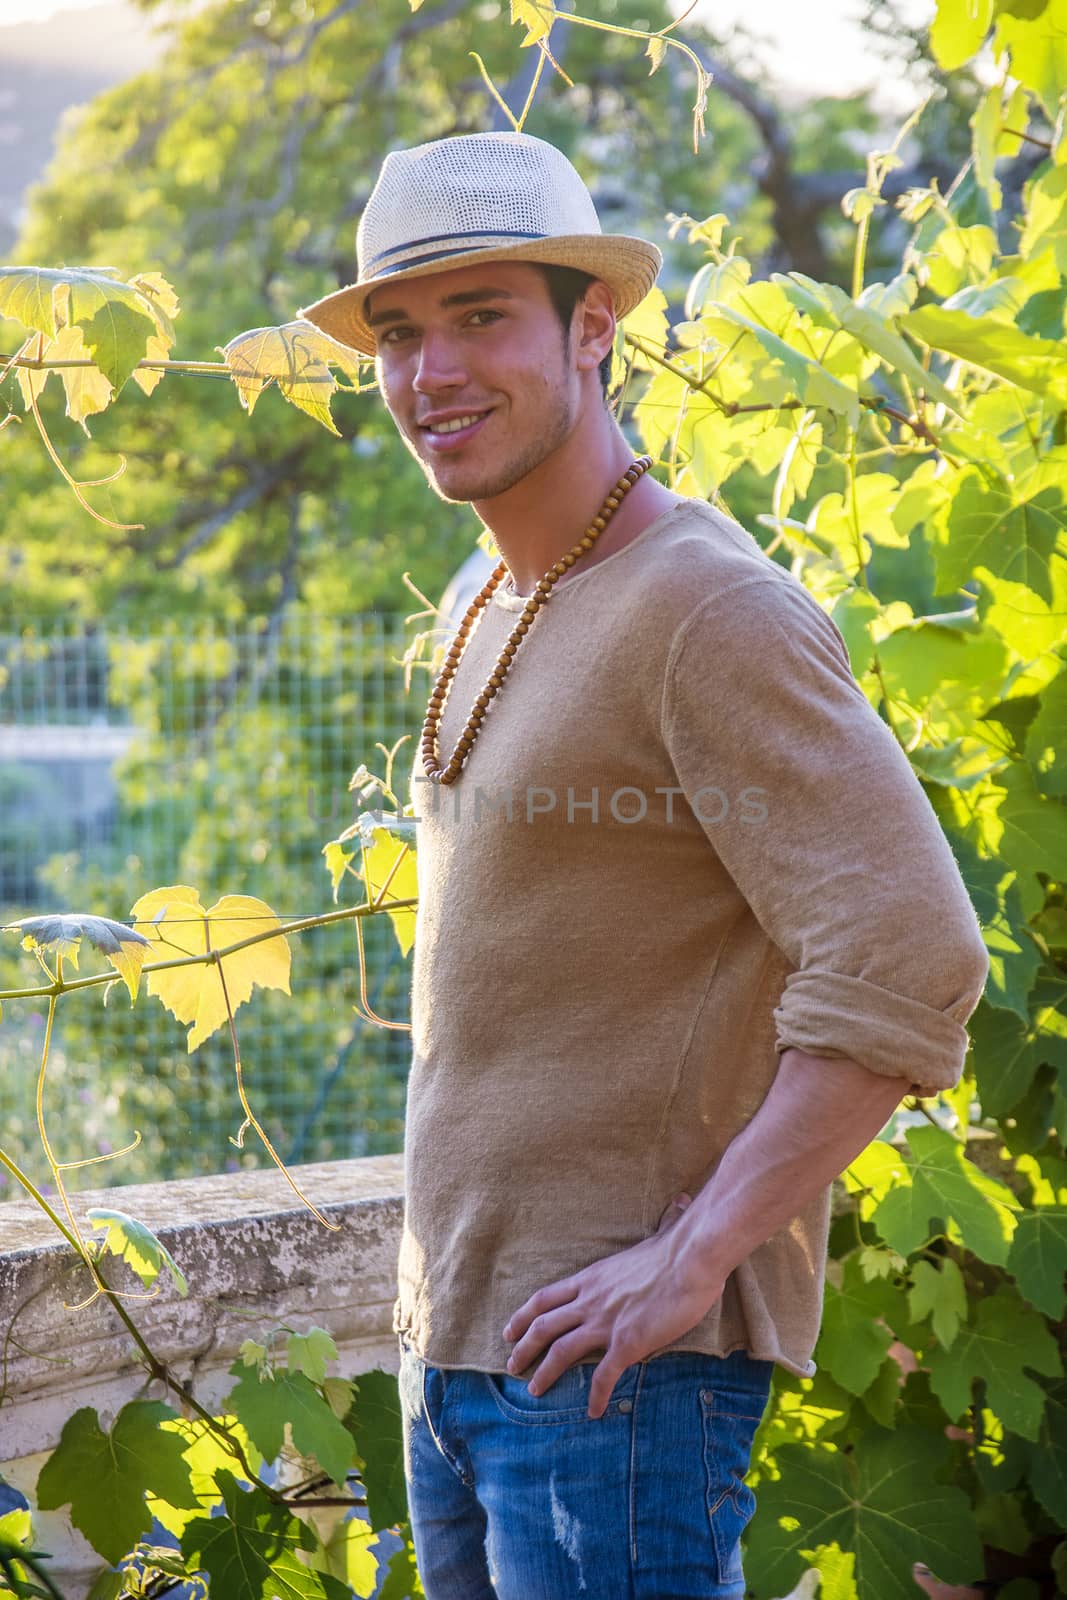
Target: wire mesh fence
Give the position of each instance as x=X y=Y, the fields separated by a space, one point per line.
x=219 y=759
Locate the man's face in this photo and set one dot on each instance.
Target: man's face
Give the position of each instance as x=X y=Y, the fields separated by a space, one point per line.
x=474 y=370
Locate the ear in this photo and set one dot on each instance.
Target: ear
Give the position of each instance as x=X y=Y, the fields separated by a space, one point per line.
x=594 y=326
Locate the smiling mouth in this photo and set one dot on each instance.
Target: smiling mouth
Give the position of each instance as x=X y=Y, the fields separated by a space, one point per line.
x=443 y=430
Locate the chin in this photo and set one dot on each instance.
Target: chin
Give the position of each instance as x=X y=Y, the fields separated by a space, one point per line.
x=463 y=489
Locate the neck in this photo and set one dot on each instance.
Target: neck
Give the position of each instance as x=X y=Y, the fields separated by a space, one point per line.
x=544 y=515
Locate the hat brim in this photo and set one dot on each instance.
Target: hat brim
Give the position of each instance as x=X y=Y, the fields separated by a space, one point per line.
x=628 y=266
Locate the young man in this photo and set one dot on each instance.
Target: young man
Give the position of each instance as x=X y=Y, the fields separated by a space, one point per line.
x=688 y=929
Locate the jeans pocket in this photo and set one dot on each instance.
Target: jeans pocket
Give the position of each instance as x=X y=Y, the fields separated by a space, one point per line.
x=730 y=1419
x=566 y=1401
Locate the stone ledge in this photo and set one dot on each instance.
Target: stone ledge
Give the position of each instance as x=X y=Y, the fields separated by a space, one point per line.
x=253 y=1256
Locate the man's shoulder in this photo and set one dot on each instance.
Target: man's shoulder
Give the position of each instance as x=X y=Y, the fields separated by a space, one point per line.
x=699 y=556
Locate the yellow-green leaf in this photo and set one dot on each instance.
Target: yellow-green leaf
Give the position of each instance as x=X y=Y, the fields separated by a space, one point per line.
x=135 y=1243
x=958 y=30
x=536 y=16
x=298 y=357
x=88 y=391
x=390 y=861
x=177 y=925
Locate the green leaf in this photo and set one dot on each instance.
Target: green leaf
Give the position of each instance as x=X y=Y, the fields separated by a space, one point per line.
x=810 y=381
x=1048 y=1464
x=1013 y=955
x=205 y=1454
x=124 y=947
x=882 y=1502
x=265 y=1404
x=1038 y=46
x=138 y=1246
x=310 y=1352
x=1033 y=834
x=868 y=325
x=1004 y=1338
x=991 y=527
x=940 y=1187
x=939 y=1295
x=985 y=125
x=1005 y=1057
x=376 y=1426
x=855 y=1339
x=1045 y=229
x=103 y=1476
x=993 y=346
x=402 y=1579
x=253 y=1552
x=117 y=338
x=1038 y=1258
x=958 y=30
x=1046 y=739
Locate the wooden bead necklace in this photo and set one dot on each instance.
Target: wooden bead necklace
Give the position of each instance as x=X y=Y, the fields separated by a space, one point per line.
x=448 y=774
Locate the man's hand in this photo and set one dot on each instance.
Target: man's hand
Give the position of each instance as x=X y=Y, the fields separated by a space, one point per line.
x=630 y=1305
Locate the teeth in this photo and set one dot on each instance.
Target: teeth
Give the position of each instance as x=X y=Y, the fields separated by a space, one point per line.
x=457 y=423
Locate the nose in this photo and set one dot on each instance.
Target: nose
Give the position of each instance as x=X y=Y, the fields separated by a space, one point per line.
x=439 y=365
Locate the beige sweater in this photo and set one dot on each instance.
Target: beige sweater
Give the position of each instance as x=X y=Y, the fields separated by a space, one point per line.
x=716 y=849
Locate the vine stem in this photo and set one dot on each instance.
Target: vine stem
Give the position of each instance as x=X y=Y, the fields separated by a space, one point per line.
x=321 y=920
x=252 y=1119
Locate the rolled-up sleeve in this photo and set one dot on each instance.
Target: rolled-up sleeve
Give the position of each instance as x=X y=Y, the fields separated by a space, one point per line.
x=826 y=832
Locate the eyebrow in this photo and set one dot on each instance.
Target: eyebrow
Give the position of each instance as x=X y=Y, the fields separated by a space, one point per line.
x=462 y=297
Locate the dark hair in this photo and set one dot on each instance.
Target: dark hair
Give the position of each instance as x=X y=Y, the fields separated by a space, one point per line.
x=566 y=286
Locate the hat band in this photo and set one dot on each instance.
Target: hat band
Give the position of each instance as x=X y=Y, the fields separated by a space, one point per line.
x=455 y=248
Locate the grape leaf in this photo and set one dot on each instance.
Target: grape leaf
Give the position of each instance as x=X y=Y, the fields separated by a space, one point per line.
x=351 y=1554
x=117 y=337
x=1038 y=1258
x=309 y=1353
x=375 y=1424
x=124 y=947
x=1013 y=956
x=297 y=357
x=941 y=1296
x=854 y=1338
x=206 y=1455
x=104 y=1476
x=536 y=16
x=402 y=1578
x=253 y=1552
x=1038 y=46
x=1046 y=739
x=88 y=391
x=958 y=29
x=940 y=1186
x=991 y=527
x=1048 y=1463
x=385 y=855
x=138 y=1246
x=882 y=1502
x=1004 y=1337
x=177 y=924
x=265 y=1404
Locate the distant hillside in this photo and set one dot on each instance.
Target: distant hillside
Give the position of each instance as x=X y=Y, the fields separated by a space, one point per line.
x=46 y=67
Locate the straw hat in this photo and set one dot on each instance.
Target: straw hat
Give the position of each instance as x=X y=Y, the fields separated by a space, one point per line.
x=480 y=197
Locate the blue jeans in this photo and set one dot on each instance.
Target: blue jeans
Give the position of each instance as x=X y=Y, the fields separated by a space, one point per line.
x=521 y=1497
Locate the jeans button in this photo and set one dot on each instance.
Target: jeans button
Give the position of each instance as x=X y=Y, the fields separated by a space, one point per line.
x=626 y=1405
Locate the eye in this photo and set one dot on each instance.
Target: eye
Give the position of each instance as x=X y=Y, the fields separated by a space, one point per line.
x=394 y=335
x=485 y=311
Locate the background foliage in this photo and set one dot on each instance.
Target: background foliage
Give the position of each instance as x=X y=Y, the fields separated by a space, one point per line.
x=895 y=428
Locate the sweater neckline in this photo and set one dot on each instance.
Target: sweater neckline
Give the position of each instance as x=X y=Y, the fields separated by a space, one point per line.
x=517 y=602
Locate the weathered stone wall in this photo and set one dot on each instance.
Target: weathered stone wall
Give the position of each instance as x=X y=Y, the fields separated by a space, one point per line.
x=254 y=1257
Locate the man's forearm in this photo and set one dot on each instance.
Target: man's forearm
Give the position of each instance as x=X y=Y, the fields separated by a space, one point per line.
x=820 y=1113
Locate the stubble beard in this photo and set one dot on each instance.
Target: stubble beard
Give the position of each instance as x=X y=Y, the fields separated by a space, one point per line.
x=486 y=482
